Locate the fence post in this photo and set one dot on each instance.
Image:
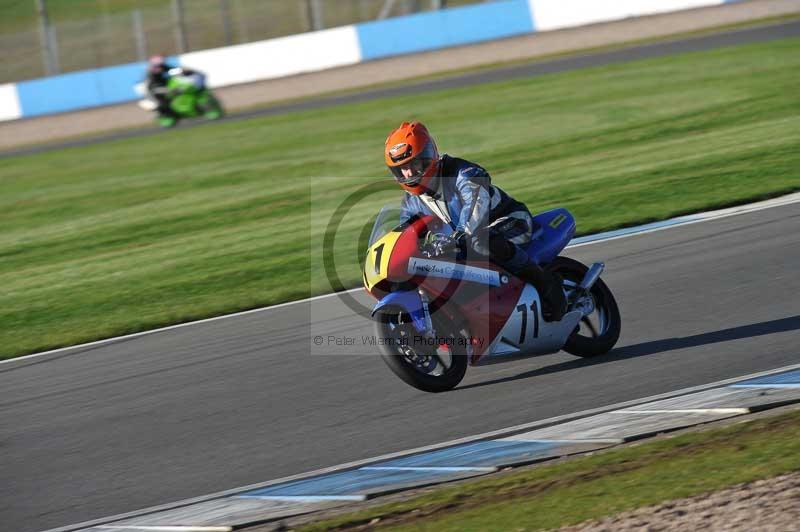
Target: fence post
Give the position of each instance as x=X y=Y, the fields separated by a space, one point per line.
x=386 y=9
x=241 y=21
x=315 y=15
x=180 y=26
x=52 y=46
x=363 y=10
x=47 y=40
x=225 y=14
x=138 y=34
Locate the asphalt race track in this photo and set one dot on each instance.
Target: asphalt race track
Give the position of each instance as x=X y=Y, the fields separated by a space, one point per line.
x=537 y=68
x=231 y=402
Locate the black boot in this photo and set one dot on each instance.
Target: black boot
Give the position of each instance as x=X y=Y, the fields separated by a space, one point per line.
x=549 y=286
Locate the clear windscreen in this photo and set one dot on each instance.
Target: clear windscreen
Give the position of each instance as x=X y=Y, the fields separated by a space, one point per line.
x=180 y=78
x=388 y=218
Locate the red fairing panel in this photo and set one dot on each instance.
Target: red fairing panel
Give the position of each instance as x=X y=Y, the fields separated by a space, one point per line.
x=488 y=313
x=485 y=308
x=407 y=246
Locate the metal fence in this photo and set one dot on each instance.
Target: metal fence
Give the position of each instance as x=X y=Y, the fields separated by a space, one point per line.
x=55 y=46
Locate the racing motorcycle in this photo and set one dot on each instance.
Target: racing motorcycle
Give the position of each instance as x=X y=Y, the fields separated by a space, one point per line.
x=189 y=97
x=439 y=313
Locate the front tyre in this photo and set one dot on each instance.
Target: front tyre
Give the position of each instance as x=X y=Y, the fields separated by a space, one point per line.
x=211 y=108
x=166 y=121
x=599 y=329
x=431 y=365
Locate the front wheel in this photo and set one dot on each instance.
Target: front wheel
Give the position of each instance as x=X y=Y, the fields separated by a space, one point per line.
x=599 y=329
x=166 y=121
x=428 y=364
x=210 y=106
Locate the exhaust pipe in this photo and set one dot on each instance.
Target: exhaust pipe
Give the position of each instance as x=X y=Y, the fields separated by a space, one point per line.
x=592 y=275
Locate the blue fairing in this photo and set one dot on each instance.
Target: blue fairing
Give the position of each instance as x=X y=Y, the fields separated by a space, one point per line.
x=552 y=232
x=408 y=301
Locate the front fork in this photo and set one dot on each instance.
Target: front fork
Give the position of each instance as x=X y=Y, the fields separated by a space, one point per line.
x=592 y=276
x=412 y=303
x=426 y=312
x=580 y=296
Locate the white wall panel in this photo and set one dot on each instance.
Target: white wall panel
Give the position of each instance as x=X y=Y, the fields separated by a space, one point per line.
x=554 y=14
x=277 y=57
x=9 y=102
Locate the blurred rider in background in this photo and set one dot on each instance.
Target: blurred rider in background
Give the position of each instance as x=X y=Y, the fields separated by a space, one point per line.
x=156 y=83
x=158 y=74
x=480 y=215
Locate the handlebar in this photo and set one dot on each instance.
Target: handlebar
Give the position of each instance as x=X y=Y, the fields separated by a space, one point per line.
x=440 y=248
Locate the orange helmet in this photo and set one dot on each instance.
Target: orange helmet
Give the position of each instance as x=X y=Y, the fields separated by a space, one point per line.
x=412 y=156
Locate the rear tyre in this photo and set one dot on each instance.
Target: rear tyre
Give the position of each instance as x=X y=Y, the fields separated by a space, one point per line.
x=597 y=332
x=426 y=365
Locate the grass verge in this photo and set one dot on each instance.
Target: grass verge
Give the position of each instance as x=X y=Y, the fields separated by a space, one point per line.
x=125 y=236
x=550 y=496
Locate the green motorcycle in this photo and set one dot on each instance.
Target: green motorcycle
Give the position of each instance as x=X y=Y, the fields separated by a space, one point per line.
x=188 y=98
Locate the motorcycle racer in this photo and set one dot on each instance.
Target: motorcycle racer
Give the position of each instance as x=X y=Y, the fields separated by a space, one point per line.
x=481 y=216
x=158 y=74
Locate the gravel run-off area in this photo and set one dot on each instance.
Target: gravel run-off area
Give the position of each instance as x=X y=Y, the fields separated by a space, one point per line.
x=771 y=505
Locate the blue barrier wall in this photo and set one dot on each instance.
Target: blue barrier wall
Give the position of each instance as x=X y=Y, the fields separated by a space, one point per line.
x=440 y=29
x=76 y=90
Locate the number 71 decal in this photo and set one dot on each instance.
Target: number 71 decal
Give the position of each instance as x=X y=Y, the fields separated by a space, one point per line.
x=524 y=329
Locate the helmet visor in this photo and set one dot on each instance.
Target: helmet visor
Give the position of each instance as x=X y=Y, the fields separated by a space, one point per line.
x=411 y=172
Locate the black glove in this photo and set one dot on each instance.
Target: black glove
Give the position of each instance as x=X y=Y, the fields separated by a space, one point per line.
x=459 y=241
x=438 y=244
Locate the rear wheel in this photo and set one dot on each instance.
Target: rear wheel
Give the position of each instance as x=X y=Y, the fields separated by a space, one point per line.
x=428 y=364
x=599 y=329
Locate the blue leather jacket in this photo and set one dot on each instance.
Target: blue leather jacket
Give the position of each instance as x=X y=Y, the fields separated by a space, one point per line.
x=464 y=197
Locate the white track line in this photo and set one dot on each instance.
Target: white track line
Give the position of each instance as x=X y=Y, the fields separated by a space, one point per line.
x=611 y=441
x=582 y=241
x=171 y=327
x=169 y=528
x=443 y=469
x=304 y=498
x=685 y=220
x=524 y=427
x=796 y=385
x=687 y=411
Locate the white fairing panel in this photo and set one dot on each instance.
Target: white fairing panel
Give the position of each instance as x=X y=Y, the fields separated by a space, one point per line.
x=526 y=333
